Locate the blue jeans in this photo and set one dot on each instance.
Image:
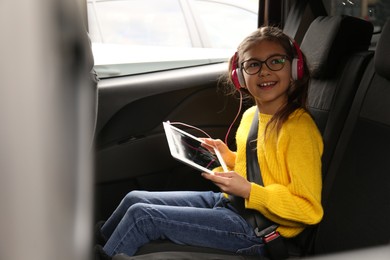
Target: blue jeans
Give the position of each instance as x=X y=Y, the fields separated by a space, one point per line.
x=203 y=219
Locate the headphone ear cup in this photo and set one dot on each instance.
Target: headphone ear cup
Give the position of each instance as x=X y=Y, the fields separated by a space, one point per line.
x=236 y=79
x=294 y=69
x=237 y=76
x=297 y=69
x=240 y=77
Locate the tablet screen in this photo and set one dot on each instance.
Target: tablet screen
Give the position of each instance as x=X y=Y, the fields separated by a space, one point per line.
x=191 y=150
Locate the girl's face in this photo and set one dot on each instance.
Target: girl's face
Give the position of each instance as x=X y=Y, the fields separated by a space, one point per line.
x=268 y=87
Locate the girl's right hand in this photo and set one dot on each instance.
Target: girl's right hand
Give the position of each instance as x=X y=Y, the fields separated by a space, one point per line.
x=228 y=156
x=231 y=183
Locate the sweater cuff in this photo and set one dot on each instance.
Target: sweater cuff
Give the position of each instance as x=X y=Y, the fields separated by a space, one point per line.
x=258 y=197
x=231 y=160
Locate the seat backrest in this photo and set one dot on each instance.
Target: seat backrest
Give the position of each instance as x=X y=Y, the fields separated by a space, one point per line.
x=301 y=14
x=336 y=48
x=356 y=194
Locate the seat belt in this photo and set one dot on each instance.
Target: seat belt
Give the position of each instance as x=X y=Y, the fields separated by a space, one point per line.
x=273 y=241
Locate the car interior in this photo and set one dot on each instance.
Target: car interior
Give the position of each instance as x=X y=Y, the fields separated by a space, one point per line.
x=112 y=139
x=347 y=98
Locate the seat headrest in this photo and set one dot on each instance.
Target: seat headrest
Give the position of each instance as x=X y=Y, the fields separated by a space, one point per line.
x=330 y=37
x=382 y=52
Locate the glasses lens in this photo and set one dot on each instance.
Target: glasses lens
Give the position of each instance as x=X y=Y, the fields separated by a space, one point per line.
x=276 y=62
x=252 y=66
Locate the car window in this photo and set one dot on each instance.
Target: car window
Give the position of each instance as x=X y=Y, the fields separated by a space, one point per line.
x=135 y=22
x=225 y=25
x=375 y=11
x=138 y=36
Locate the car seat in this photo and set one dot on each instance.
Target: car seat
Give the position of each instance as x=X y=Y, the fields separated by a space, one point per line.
x=336 y=48
x=356 y=195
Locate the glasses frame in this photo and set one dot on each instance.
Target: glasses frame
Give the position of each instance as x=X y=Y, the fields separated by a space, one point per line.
x=264 y=62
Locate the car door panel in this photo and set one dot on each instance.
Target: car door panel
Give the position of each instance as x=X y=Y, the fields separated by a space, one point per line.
x=131 y=144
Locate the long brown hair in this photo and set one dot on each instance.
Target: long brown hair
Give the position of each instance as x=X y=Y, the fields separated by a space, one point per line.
x=298 y=90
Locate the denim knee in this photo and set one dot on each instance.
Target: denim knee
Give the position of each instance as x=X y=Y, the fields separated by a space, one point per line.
x=142 y=217
x=140 y=210
x=133 y=197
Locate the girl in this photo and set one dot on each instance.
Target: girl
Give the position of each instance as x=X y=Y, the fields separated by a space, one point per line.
x=270 y=68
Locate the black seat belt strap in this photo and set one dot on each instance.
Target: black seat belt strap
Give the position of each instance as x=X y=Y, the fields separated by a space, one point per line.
x=252 y=163
x=275 y=244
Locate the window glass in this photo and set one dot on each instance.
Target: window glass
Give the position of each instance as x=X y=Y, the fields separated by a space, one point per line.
x=139 y=36
x=135 y=22
x=93 y=27
x=225 y=25
x=376 y=11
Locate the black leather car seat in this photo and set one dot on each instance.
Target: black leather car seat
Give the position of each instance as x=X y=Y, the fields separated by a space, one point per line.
x=336 y=48
x=356 y=193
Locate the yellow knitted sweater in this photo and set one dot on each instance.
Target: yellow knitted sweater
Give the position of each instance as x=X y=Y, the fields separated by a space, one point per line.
x=290 y=164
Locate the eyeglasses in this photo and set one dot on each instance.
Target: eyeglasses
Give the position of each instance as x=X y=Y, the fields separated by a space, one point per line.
x=274 y=63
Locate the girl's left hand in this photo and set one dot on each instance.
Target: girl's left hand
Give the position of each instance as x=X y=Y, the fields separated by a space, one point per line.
x=231 y=183
x=228 y=156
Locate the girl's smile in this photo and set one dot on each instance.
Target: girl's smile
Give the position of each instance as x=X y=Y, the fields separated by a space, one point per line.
x=267 y=85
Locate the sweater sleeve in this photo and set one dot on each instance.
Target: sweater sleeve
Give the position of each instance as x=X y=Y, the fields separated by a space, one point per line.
x=291 y=172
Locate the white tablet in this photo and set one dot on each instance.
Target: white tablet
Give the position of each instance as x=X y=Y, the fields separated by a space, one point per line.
x=190 y=150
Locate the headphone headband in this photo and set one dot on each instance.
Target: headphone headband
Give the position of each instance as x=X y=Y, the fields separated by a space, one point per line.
x=297 y=68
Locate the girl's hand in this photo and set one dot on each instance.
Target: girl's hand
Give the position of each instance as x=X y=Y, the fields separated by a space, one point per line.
x=231 y=183
x=228 y=156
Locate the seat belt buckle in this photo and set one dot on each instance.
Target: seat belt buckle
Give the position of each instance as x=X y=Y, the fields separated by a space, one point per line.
x=270 y=237
x=265 y=231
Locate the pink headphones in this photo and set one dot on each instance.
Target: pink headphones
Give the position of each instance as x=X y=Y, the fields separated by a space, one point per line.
x=297 y=69
x=237 y=76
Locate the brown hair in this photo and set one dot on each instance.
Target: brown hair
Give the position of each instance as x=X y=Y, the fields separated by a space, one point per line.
x=298 y=90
